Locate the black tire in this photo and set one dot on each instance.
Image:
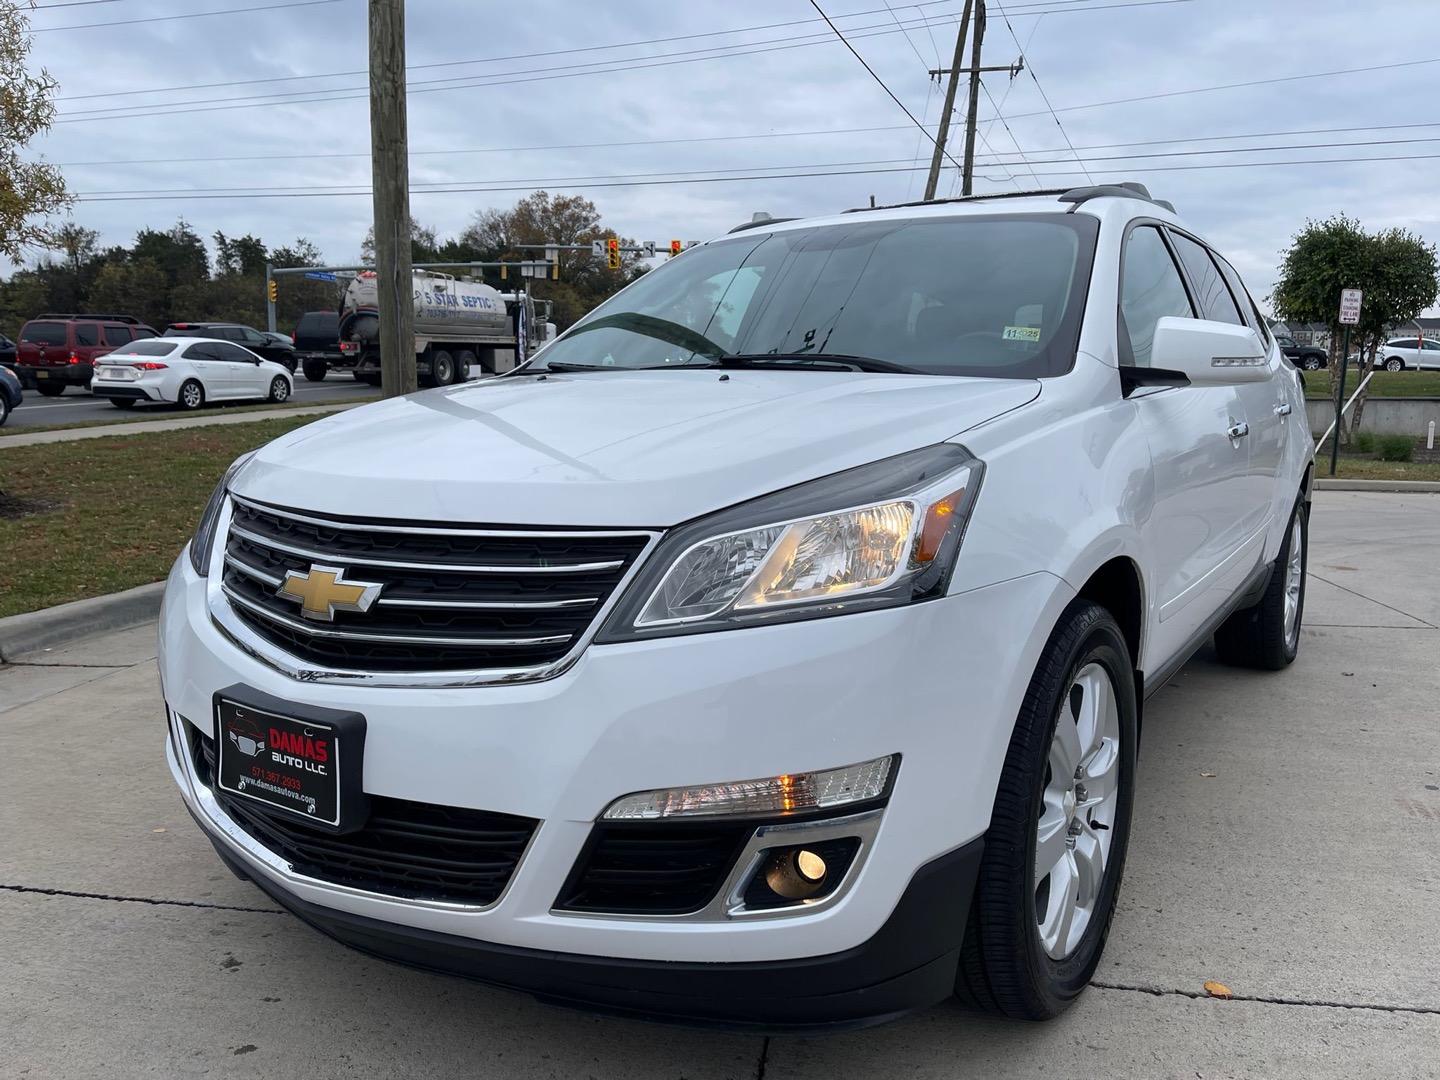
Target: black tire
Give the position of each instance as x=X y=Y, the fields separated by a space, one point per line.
x=1394 y=363
x=279 y=390
x=1004 y=967
x=442 y=368
x=191 y=396
x=1256 y=637
x=123 y=402
x=316 y=370
x=4 y=409
x=464 y=363
x=50 y=389
x=1313 y=363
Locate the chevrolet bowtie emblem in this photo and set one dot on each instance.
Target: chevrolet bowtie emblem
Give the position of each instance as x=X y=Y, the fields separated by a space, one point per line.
x=323 y=591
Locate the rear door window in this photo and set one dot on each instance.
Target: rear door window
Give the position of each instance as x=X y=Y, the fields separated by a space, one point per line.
x=44 y=333
x=203 y=350
x=87 y=334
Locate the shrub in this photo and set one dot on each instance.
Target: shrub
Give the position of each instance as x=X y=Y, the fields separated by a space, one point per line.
x=1396 y=447
x=1365 y=443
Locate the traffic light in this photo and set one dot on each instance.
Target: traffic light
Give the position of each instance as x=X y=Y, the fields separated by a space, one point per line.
x=274 y=292
x=613 y=247
x=675 y=248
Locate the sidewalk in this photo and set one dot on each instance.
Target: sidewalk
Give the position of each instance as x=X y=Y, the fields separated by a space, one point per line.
x=139 y=427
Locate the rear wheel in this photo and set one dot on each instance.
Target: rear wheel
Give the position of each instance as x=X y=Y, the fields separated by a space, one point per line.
x=192 y=396
x=279 y=389
x=1394 y=364
x=1055 y=850
x=464 y=363
x=1312 y=363
x=442 y=368
x=316 y=370
x=50 y=389
x=123 y=402
x=1266 y=635
x=4 y=409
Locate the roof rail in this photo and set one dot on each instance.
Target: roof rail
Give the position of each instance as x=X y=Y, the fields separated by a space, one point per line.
x=85 y=315
x=963 y=198
x=1126 y=190
x=759 y=221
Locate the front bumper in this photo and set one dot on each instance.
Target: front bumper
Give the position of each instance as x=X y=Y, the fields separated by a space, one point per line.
x=938 y=684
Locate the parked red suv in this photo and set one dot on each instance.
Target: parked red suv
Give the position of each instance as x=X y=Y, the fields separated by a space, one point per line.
x=56 y=351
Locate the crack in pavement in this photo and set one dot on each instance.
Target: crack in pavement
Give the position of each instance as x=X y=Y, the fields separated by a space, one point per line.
x=1155 y=991
x=29 y=889
x=764 y=1059
x=54 y=664
x=1372 y=600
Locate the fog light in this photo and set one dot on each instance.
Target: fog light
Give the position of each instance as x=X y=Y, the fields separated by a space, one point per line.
x=794 y=875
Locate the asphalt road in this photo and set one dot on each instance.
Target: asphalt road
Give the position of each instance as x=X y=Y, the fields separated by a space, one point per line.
x=1287 y=844
x=77 y=405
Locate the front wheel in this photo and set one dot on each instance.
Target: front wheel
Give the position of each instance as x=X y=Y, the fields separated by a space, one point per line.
x=192 y=396
x=1312 y=363
x=4 y=409
x=279 y=390
x=1394 y=364
x=1055 y=850
x=1266 y=635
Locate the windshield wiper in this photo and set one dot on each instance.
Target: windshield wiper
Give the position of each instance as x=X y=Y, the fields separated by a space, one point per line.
x=563 y=367
x=817 y=361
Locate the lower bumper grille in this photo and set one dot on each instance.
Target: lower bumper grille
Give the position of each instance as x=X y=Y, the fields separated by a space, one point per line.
x=674 y=868
x=409 y=850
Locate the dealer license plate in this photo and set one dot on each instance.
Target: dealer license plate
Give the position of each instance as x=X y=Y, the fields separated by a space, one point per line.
x=290 y=764
x=42 y=374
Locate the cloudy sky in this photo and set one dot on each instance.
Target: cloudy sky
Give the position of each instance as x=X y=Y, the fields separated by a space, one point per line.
x=682 y=119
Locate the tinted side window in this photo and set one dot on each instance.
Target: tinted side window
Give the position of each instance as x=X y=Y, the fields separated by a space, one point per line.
x=251 y=337
x=203 y=350
x=44 y=333
x=1150 y=289
x=232 y=353
x=1211 y=292
x=1249 y=310
x=142 y=332
x=116 y=335
x=87 y=334
x=1404 y=343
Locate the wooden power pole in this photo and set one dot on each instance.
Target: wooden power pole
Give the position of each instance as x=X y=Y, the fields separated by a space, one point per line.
x=967 y=175
x=944 y=133
x=390 y=165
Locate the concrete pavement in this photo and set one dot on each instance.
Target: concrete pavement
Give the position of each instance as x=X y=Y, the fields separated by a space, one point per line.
x=1304 y=874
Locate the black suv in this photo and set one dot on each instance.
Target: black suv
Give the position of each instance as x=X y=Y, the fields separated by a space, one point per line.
x=317 y=343
x=251 y=339
x=1309 y=357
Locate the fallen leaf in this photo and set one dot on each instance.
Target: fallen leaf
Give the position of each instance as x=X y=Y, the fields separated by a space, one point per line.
x=1347 y=674
x=157 y=830
x=1211 y=775
x=1218 y=990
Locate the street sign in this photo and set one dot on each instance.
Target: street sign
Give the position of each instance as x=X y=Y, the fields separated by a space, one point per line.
x=597 y=249
x=319 y=276
x=1350 y=306
x=648 y=249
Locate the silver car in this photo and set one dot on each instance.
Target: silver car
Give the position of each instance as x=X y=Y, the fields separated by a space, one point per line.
x=1400 y=354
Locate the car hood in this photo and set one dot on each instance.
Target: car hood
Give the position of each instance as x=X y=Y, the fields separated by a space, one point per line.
x=630 y=449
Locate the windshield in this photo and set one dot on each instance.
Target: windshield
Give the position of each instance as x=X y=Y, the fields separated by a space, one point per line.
x=995 y=296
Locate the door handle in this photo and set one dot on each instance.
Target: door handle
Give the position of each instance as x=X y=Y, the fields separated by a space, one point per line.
x=1238 y=431
x=1283 y=409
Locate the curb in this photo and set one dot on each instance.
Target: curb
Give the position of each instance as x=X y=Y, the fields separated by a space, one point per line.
x=176 y=423
x=1413 y=486
x=36 y=630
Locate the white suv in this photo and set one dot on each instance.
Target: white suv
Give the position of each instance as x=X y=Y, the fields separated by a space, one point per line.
x=770 y=652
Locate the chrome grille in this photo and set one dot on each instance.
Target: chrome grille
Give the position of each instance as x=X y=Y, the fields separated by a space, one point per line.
x=453 y=598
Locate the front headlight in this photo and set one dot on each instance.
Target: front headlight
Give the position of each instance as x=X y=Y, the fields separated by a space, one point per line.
x=204 y=538
x=881 y=535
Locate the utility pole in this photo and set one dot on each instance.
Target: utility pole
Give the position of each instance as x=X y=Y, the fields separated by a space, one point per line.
x=390 y=170
x=955 y=71
x=967 y=181
x=944 y=132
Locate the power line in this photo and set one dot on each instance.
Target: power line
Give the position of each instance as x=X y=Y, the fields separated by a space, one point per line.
x=72 y=3
x=999 y=116
x=905 y=168
x=1044 y=96
x=187 y=15
x=497 y=79
x=879 y=80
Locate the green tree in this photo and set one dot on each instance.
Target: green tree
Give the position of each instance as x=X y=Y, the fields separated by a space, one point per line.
x=31 y=192
x=1396 y=270
x=131 y=287
x=181 y=256
x=245 y=255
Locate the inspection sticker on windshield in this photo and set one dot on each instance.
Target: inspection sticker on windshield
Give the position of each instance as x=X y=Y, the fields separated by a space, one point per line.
x=1022 y=333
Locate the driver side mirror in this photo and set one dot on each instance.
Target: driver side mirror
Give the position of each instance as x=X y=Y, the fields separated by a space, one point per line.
x=1209 y=353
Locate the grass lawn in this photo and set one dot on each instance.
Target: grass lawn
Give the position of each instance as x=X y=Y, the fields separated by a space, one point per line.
x=162 y=413
x=1384 y=384
x=122 y=508
x=1364 y=468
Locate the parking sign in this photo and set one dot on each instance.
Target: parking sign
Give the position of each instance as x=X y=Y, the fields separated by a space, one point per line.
x=1350 y=306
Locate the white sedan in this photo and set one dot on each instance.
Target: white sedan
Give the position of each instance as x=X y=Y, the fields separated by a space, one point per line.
x=188 y=372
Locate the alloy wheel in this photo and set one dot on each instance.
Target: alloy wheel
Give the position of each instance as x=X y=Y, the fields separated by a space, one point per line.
x=1294 y=579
